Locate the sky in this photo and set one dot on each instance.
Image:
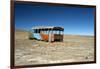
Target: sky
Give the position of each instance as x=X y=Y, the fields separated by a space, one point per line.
x=75 y=20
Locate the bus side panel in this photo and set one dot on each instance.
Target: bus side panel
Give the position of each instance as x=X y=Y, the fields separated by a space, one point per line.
x=45 y=37
x=37 y=36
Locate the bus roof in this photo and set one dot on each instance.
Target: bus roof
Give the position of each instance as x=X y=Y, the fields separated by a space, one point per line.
x=48 y=28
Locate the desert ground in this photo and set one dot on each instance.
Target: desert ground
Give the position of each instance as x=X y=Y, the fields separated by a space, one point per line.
x=74 y=48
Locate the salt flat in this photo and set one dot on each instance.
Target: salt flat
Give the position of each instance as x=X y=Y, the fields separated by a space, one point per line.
x=75 y=48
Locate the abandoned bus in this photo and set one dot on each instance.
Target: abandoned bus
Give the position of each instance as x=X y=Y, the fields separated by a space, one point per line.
x=48 y=33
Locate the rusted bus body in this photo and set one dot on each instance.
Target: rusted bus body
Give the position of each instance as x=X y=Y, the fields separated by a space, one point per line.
x=58 y=37
x=45 y=37
x=49 y=33
x=54 y=37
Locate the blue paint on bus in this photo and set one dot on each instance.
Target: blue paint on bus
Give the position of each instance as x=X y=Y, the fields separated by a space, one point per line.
x=37 y=36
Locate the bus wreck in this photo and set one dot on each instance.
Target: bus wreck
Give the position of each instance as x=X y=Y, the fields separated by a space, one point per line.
x=48 y=33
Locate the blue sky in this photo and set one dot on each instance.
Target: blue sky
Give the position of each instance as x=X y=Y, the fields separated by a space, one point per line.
x=75 y=20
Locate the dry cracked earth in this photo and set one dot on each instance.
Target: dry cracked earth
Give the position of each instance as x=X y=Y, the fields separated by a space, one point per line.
x=74 y=48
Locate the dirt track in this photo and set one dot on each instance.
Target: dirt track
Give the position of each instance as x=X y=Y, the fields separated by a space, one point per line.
x=73 y=49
